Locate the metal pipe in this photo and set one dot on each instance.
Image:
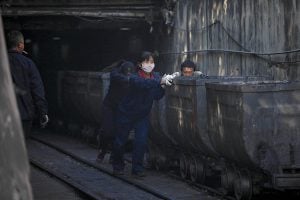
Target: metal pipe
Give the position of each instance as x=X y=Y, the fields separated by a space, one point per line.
x=207 y=32
x=231 y=51
x=259 y=55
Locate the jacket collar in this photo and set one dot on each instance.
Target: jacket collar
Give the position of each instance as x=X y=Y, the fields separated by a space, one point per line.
x=143 y=74
x=13 y=51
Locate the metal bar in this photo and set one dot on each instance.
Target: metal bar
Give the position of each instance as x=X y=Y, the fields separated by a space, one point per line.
x=231 y=51
x=78 y=3
x=88 y=7
x=96 y=13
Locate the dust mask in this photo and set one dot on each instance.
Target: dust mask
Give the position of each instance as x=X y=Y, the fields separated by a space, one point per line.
x=148 y=67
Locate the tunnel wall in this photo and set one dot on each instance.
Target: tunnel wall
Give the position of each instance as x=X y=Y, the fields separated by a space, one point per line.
x=14 y=166
x=240 y=25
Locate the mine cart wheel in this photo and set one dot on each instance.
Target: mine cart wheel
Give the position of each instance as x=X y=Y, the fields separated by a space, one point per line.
x=227 y=179
x=243 y=185
x=183 y=164
x=197 y=170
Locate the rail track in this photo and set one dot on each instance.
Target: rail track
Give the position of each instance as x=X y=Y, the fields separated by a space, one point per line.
x=81 y=174
x=49 y=185
x=138 y=185
x=143 y=186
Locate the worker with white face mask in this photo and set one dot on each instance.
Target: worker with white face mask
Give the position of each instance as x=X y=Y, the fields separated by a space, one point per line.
x=133 y=113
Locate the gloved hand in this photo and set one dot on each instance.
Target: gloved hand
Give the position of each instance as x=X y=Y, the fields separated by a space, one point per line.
x=44 y=121
x=197 y=73
x=175 y=74
x=166 y=80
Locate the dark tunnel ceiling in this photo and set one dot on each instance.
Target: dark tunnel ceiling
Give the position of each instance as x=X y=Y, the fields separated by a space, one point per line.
x=80 y=14
x=69 y=23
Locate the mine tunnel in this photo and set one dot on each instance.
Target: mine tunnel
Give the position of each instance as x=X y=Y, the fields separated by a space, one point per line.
x=230 y=130
x=83 y=36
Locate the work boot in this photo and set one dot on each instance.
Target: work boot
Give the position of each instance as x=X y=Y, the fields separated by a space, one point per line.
x=100 y=157
x=110 y=159
x=118 y=172
x=138 y=174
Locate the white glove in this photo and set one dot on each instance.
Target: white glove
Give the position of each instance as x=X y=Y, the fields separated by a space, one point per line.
x=44 y=121
x=197 y=73
x=175 y=74
x=166 y=80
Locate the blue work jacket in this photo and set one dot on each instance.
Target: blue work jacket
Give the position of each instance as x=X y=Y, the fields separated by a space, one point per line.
x=141 y=93
x=30 y=89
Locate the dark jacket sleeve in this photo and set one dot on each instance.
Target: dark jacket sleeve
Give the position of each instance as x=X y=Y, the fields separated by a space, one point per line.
x=117 y=76
x=134 y=80
x=158 y=92
x=37 y=90
x=142 y=83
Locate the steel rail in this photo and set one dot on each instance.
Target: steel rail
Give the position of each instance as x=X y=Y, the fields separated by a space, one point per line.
x=91 y=164
x=139 y=185
x=73 y=184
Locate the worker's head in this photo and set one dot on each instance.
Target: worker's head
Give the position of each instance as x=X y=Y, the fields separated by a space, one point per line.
x=187 y=68
x=127 y=68
x=15 y=41
x=146 y=61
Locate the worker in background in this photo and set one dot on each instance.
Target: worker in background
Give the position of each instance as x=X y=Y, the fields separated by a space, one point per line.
x=28 y=84
x=116 y=91
x=188 y=68
x=133 y=113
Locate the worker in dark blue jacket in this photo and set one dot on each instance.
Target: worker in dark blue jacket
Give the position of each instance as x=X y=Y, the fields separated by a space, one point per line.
x=120 y=80
x=28 y=84
x=118 y=88
x=133 y=113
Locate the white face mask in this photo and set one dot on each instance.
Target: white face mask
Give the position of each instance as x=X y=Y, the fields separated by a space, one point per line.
x=148 y=67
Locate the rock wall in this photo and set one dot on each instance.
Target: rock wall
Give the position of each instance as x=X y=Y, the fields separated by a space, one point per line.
x=14 y=166
x=219 y=33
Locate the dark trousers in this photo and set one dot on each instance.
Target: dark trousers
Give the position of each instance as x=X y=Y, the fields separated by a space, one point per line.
x=27 y=124
x=107 y=128
x=123 y=126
